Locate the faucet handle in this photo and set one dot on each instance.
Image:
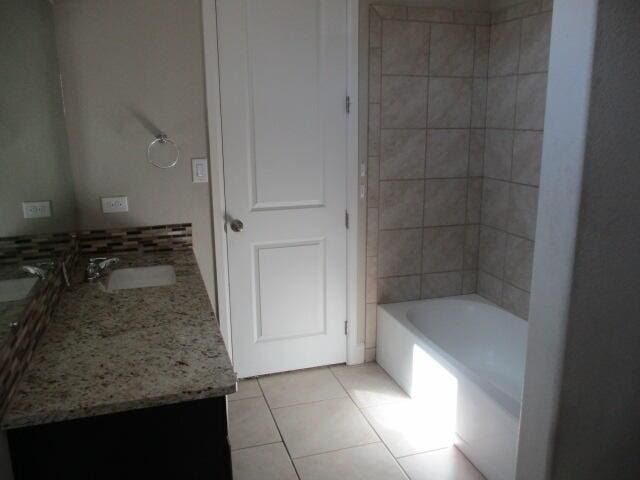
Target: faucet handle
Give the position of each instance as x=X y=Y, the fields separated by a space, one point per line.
x=106 y=262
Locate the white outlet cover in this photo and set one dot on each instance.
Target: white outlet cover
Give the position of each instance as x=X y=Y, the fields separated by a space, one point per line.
x=36 y=209
x=199 y=170
x=114 y=204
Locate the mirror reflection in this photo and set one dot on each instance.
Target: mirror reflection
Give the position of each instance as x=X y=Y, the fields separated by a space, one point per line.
x=36 y=189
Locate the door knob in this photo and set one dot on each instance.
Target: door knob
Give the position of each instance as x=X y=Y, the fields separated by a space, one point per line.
x=237 y=225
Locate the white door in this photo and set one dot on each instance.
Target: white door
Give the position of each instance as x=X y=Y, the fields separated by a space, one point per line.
x=283 y=82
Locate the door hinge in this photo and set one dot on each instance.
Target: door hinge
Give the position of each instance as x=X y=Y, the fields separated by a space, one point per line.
x=346 y=326
x=346 y=219
x=347 y=104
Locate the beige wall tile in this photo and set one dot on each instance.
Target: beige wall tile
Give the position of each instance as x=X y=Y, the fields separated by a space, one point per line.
x=447 y=153
x=476 y=153
x=481 y=57
x=498 y=150
x=547 y=5
x=402 y=153
x=451 y=50
x=398 y=289
x=527 y=155
x=445 y=202
x=472 y=18
x=474 y=200
x=469 y=282
x=495 y=203
x=374 y=130
x=518 y=262
x=516 y=301
x=405 y=47
x=450 y=102
x=490 y=287
x=372 y=231
x=504 y=49
x=391 y=11
x=375 y=29
x=523 y=210
x=501 y=102
x=399 y=252
x=530 y=104
x=371 y=293
x=491 y=252
x=404 y=102
x=431 y=14
x=443 y=249
x=522 y=9
x=536 y=34
x=374 y=75
x=373 y=176
x=446 y=284
x=401 y=203
x=471 y=247
x=479 y=103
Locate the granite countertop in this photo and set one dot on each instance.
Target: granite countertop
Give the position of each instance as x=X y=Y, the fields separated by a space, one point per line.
x=111 y=352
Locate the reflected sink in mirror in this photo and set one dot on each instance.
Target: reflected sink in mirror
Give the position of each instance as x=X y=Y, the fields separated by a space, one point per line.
x=141 y=277
x=14 y=289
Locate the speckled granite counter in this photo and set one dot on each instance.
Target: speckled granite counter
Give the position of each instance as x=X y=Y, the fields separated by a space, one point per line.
x=111 y=352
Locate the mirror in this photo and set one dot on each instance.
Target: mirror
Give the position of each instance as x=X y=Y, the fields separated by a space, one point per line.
x=36 y=190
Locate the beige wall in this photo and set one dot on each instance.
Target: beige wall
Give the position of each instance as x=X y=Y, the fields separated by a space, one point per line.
x=34 y=158
x=132 y=68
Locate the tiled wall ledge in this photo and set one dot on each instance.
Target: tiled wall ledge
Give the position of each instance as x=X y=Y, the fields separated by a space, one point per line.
x=521 y=10
x=16 y=353
x=432 y=15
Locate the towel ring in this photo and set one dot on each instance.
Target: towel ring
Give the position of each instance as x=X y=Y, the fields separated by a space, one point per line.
x=163 y=139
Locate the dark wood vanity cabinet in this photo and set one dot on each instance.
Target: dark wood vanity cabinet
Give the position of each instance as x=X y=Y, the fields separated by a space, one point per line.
x=183 y=441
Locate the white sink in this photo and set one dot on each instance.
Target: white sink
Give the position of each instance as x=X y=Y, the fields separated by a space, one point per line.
x=16 y=288
x=141 y=277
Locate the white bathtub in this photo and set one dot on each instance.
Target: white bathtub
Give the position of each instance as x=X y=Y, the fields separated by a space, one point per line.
x=464 y=357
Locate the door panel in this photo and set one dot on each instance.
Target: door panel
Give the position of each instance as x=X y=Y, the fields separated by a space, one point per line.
x=283 y=83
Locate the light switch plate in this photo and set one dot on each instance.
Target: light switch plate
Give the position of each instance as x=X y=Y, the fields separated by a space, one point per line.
x=36 y=209
x=199 y=170
x=114 y=204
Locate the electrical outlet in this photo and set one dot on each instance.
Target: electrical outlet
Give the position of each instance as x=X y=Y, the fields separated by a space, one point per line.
x=114 y=204
x=36 y=209
x=199 y=170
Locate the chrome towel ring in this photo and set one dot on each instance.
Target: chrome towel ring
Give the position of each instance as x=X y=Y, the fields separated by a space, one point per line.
x=162 y=140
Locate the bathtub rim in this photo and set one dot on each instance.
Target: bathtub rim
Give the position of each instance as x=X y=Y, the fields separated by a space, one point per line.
x=398 y=311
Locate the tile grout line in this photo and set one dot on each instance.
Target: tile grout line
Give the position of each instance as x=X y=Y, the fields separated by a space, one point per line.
x=273 y=418
x=360 y=410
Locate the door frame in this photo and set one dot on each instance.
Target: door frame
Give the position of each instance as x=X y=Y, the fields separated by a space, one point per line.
x=355 y=185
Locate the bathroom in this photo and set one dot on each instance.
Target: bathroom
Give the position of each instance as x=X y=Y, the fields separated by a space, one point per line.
x=442 y=197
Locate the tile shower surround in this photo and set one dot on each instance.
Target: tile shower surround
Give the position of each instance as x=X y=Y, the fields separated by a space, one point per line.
x=517 y=82
x=456 y=103
x=16 y=353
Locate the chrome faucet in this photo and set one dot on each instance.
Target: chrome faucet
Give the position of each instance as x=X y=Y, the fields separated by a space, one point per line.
x=98 y=267
x=35 y=271
x=40 y=270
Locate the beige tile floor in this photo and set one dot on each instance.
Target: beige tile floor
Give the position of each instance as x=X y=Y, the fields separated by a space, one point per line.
x=337 y=423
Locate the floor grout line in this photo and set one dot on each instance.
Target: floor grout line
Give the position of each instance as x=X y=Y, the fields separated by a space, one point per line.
x=273 y=418
x=360 y=409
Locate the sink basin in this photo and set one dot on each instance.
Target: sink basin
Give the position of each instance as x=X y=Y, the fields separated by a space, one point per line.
x=141 y=277
x=16 y=288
